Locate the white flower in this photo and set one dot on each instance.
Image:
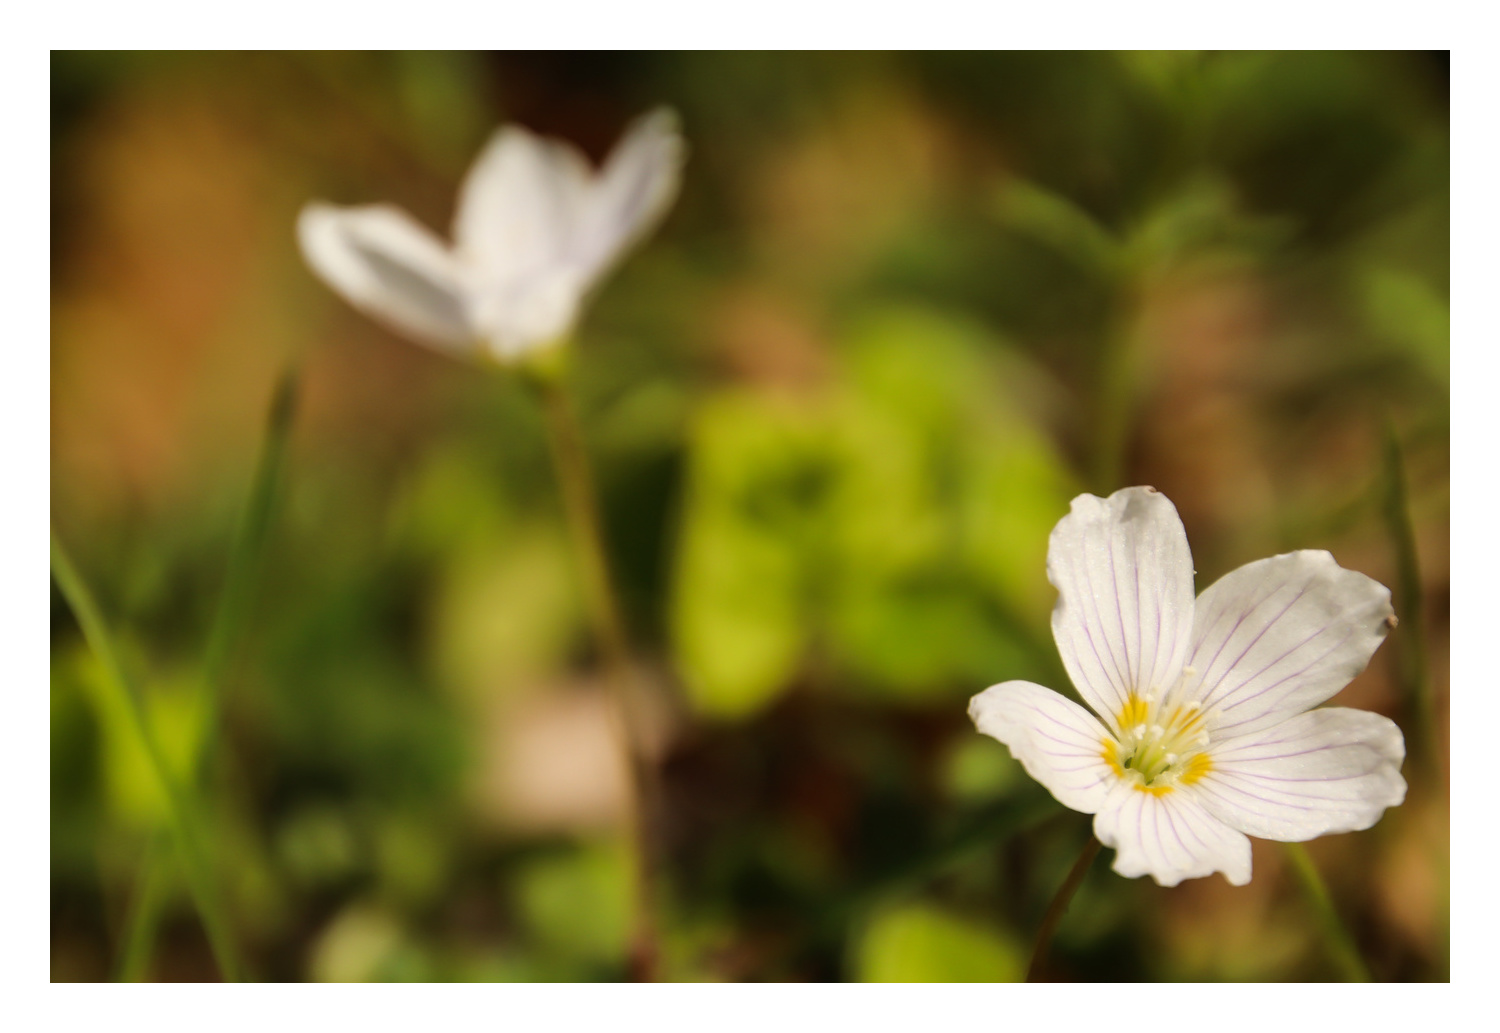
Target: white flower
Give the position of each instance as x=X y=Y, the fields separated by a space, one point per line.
x=534 y=231
x=1205 y=730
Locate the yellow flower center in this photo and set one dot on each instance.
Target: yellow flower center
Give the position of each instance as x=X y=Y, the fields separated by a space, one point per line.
x=1160 y=746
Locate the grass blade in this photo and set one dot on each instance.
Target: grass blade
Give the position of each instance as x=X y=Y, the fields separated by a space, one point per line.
x=200 y=875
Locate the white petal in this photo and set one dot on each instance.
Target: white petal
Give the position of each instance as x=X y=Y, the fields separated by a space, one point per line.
x=1060 y=744
x=1124 y=609
x=390 y=267
x=1170 y=837
x=1281 y=635
x=533 y=311
x=634 y=190
x=520 y=207
x=1330 y=770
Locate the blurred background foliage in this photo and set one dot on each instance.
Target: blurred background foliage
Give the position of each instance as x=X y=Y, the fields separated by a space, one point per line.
x=906 y=307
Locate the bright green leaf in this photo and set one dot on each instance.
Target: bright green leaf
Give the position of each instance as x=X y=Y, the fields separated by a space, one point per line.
x=919 y=943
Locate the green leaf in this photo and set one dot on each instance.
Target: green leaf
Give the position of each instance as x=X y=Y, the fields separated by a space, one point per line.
x=1402 y=309
x=756 y=502
x=917 y=640
x=1016 y=487
x=357 y=946
x=578 y=902
x=920 y=943
x=977 y=769
x=505 y=612
x=738 y=625
x=1058 y=222
x=131 y=784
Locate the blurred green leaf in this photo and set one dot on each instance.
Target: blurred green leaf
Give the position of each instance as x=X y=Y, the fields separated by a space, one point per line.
x=505 y=612
x=578 y=902
x=856 y=522
x=1055 y=220
x=451 y=501
x=738 y=621
x=1016 y=488
x=441 y=94
x=1170 y=73
x=880 y=512
x=356 y=946
x=130 y=784
x=977 y=769
x=410 y=855
x=1399 y=307
x=1202 y=219
x=317 y=846
x=758 y=471
x=919 y=641
x=920 y=943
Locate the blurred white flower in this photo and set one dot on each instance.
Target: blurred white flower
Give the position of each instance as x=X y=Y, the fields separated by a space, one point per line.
x=1205 y=730
x=535 y=230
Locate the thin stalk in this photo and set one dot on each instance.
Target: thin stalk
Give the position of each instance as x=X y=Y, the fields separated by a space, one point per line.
x=1059 y=907
x=576 y=484
x=1340 y=943
x=244 y=559
x=1412 y=672
x=145 y=912
x=185 y=834
x=229 y=618
x=1411 y=652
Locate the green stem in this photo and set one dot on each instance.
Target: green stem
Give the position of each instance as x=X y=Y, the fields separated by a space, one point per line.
x=576 y=484
x=1411 y=652
x=244 y=559
x=200 y=875
x=1412 y=671
x=1059 y=907
x=1340 y=943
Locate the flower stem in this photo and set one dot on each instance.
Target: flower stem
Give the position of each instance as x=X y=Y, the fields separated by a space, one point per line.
x=185 y=834
x=577 y=487
x=1059 y=907
x=234 y=606
x=1340 y=943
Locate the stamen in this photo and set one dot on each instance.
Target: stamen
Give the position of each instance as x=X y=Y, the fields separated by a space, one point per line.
x=1160 y=745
